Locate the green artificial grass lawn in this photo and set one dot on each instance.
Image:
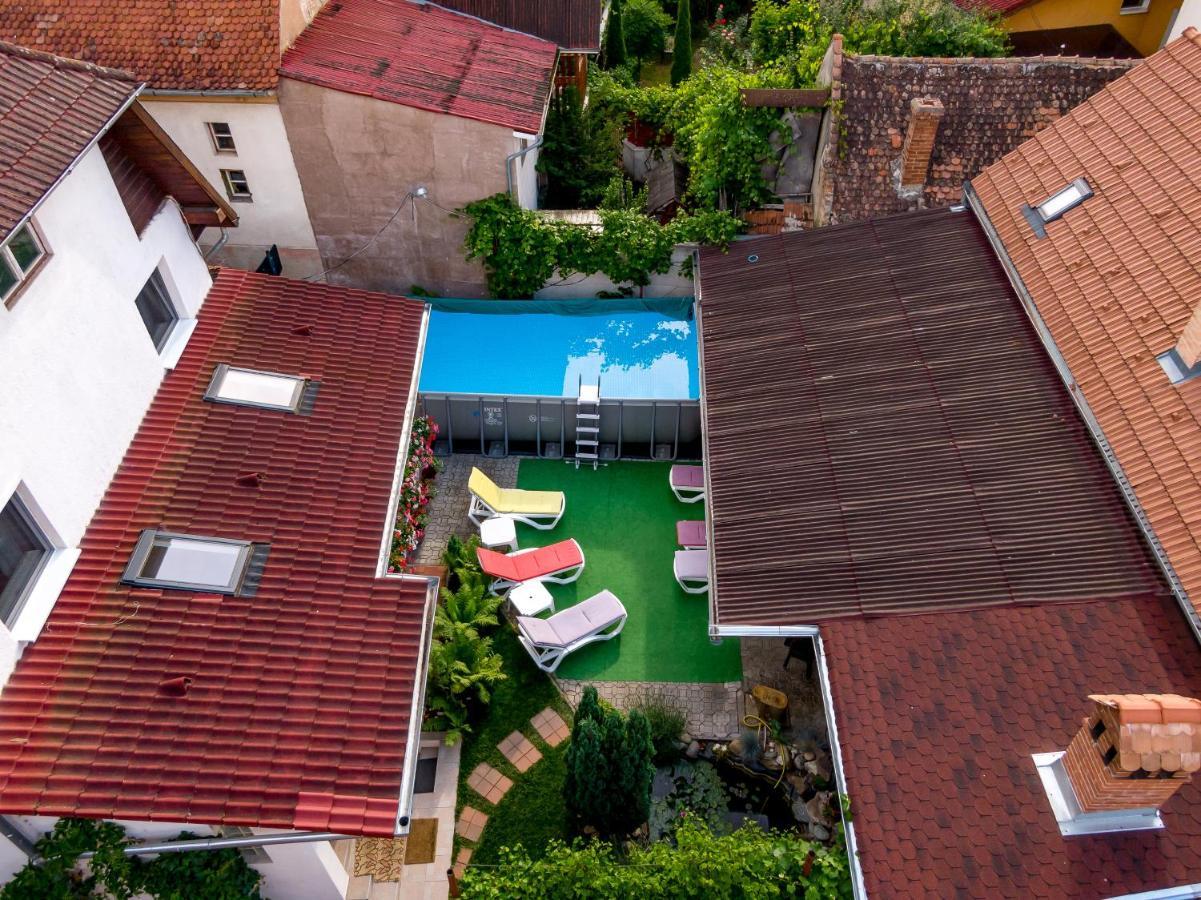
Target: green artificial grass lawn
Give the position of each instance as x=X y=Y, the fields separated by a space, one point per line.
x=532 y=811
x=624 y=516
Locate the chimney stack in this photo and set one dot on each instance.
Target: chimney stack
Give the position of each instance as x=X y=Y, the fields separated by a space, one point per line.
x=1189 y=346
x=924 y=116
x=1134 y=751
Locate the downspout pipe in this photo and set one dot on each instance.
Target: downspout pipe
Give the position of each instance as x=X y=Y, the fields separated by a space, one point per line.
x=518 y=155
x=220 y=243
x=223 y=843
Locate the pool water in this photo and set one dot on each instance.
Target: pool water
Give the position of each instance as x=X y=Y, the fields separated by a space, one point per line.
x=636 y=355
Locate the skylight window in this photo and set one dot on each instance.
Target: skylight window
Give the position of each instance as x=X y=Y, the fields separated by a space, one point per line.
x=1176 y=369
x=249 y=387
x=1061 y=201
x=185 y=562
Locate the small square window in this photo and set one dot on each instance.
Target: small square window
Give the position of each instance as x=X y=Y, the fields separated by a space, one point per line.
x=24 y=550
x=157 y=310
x=236 y=185
x=1134 y=6
x=248 y=387
x=189 y=563
x=19 y=255
x=222 y=137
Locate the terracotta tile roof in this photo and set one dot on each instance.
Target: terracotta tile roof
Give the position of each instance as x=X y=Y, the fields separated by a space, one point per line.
x=991 y=106
x=51 y=109
x=215 y=45
x=572 y=24
x=1116 y=279
x=298 y=714
x=886 y=435
x=938 y=717
x=418 y=54
x=1004 y=7
x=1155 y=732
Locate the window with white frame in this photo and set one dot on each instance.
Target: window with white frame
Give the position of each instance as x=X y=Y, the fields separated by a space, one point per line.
x=187 y=562
x=1134 y=6
x=24 y=551
x=19 y=256
x=222 y=137
x=236 y=185
x=250 y=387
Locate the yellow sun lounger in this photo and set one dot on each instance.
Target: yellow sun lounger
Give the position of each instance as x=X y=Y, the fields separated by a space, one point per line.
x=539 y=509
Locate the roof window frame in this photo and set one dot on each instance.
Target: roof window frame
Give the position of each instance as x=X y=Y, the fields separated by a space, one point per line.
x=1037 y=214
x=23 y=275
x=299 y=393
x=151 y=537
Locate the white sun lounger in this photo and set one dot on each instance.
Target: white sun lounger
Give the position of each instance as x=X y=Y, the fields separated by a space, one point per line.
x=688 y=483
x=548 y=641
x=538 y=509
x=691 y=568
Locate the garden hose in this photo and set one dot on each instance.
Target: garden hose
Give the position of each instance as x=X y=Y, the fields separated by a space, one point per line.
x=763 y=733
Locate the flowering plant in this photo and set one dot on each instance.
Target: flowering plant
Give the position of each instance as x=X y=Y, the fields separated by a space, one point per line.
x=416 y=492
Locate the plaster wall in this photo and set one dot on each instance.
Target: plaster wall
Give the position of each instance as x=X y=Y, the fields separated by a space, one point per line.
x=1145 y=30
x=1190 y=14
x=78 y=368
x=294 y=15
x=276 y=214
x=359 y=157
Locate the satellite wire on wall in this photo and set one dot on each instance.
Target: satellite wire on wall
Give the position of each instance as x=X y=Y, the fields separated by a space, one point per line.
x=419 y=192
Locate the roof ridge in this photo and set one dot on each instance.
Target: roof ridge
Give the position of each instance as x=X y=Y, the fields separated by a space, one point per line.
x=66 y=62
x=1092 y=61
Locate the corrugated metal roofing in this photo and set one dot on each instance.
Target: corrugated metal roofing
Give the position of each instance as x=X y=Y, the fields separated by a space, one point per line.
x=886 y=435
x=572 y=24
x=51 y=109
x=418 y=54
x=1117 y=278
x=214 y=45
x=298 y=715
x=939 y=715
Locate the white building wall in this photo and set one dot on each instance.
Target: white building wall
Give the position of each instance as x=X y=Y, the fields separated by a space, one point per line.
x=77 y=366
x=277 y=213
x=525 y=169
x=1188 y=14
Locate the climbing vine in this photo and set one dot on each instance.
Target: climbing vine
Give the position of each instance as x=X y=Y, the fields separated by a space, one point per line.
x=521 y=251
x=193 y=875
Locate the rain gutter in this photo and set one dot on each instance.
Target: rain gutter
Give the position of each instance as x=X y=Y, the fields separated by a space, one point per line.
x=223 y=843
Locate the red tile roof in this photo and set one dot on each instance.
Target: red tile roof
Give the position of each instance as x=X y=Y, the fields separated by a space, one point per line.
x=51 y=109
x=1004 y=7
x=938 y=717
x=299 y=711
x=1116 y=279
x=886 y=435
x=572 y=24
x=214 y=45
x=420 y=55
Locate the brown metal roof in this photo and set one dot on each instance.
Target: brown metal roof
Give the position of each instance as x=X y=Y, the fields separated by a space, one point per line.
x=1117 y=278
x=886 y=435
x=572 y=24
x=51 y=109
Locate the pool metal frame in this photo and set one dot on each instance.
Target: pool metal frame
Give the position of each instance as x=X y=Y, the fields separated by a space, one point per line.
x=566 y=409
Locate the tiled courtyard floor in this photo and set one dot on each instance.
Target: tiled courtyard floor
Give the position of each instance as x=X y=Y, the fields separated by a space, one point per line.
x=448 y=512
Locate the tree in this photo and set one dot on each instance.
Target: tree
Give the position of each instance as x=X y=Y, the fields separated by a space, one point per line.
x=579 y=153
x=609 y=770
x=615 y=38
x=681 y=55
x=645 y=24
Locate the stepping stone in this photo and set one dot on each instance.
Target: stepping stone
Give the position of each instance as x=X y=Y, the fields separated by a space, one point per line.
x=518 y=750
x=551 y=727
x=471 y=824
x=461 y=861
x=489 y=783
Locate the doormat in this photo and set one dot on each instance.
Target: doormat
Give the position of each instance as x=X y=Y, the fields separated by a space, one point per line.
x=381 y=858
x=422 y=842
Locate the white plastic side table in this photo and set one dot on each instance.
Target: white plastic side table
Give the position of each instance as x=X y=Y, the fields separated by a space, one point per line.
x=530 y=598
x=499 y=531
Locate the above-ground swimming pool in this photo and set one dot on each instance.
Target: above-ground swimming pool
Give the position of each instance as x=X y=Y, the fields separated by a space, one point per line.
x=501 y=383
x=636 y=355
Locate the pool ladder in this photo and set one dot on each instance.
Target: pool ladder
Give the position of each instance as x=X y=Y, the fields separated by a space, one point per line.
x=587 y=423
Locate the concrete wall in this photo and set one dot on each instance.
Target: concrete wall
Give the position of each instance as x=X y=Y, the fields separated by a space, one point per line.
x=663 y=284
x=358 y=158
x=277 y=213
x=525 y=175
x=78 y=368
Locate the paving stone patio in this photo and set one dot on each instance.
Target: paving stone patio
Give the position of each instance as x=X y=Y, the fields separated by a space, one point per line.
x=489 y=783
x=448 y=512
x=551 y=727
x=712 y=710
x=471 y=823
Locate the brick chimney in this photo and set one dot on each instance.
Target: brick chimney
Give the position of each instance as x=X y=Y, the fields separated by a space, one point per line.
x=1134 y=751
x=1189 y=345
x=924 y=116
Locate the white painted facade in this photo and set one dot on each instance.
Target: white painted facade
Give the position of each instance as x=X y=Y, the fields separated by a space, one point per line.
x=276 y=212
x=1188 y=15
x=525 y=171
x=78 y=367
